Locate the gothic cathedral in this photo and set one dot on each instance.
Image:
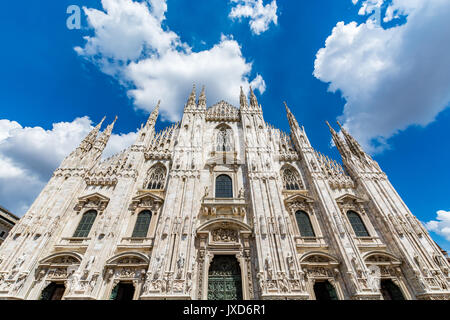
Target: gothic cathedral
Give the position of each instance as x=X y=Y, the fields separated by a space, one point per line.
x=220 y=206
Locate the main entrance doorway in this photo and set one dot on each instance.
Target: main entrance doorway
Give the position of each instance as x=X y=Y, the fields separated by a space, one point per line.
x=390 y=290
x=54 y=291
x=324 y=290
x=224 y=279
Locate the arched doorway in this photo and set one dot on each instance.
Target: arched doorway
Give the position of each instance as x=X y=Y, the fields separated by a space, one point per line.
x=324 y=290
x=123 y=291
x=224 y=279
x=390 y=290
x=54 y=291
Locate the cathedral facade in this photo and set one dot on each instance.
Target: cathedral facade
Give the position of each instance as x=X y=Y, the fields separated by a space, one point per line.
x=220 y=206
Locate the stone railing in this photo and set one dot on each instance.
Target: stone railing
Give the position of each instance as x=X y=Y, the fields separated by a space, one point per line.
x=231 y=207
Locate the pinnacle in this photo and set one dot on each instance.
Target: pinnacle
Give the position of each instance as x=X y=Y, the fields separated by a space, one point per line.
x=286 y=107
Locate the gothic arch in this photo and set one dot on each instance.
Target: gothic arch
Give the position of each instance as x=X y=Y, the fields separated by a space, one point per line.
x=291 y=178
x=156 y=177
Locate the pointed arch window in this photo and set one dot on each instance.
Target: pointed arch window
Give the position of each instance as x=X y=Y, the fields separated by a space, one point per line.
x=304 y=224
x=357 y=224
x=224 y=140
x=291 y=179
x=224 y=186
x=85 y=225
x=156 y=178
x=142 y=224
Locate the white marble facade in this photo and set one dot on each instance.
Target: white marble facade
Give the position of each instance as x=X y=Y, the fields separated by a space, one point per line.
x=173 y=173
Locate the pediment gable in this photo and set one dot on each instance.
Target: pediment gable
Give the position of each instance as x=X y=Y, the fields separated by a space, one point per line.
x=299 y=198
x=95 y=201
x=350 y=198
x=222 y=111
x=93 y=197
x=146 y=200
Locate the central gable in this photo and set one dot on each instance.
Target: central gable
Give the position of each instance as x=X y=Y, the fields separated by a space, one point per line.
x=222 y=111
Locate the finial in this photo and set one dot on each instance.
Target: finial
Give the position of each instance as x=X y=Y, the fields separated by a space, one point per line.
x=202 y=99
x=191 y=99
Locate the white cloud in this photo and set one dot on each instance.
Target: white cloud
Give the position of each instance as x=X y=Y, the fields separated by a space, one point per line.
x=391 y=78
x=29 y=155
x=441 y=225
x=130 y=44
x=260 y=15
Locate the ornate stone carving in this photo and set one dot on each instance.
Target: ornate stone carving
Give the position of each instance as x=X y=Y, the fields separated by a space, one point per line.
x=94 y=201
x=224 y=235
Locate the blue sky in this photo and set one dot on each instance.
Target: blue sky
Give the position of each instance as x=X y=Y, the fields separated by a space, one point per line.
x=390 y=83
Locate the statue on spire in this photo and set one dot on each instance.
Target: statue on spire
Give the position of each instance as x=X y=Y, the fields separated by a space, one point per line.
x=292 y=121
x=101 y=142
x=243 y=99
x=202 y=99
x=89 y=141
x=153 y=116
x=340 y=144
x=253 y=101
x=354 y=146
x=191 y=100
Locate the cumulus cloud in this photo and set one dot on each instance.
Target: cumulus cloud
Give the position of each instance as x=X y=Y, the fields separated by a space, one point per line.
x=29 y=155
x=391 y=78
x=441 y=225
x=130 y=44
x=260 y=15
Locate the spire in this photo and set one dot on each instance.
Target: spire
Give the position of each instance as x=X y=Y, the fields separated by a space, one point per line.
x=202 y=99
x=191 y=100
x=342 y=147
x=89 y=141
x=104 y=137
x=253 y=100
x=292 y=121
x=354 y=146
x=243 y=100
x=153 y=116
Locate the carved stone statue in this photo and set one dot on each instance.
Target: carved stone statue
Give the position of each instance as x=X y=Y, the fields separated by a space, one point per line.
x=268 y=266
x=180 y=265
x=206 y=194
x=290 y=263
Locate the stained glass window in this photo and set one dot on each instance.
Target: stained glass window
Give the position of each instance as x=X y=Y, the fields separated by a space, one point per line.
x=156 y=178
x=85 y=224
x=291 y=180
x=142 y=223
x=304 y=224
x=357 y=224
x=224 y=187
